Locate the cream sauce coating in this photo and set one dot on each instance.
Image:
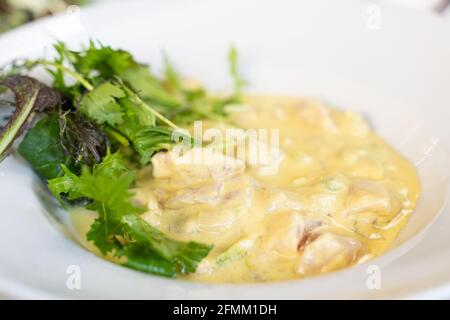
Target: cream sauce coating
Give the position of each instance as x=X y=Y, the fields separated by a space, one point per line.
x=340 y=196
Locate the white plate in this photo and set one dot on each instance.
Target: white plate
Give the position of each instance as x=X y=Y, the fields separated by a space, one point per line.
x=395 y=69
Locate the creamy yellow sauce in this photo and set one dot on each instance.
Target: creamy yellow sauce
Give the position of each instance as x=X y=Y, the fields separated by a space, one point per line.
x=340 y=196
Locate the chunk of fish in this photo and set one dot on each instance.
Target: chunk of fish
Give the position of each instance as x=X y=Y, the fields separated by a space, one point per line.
x=328 y=252
x=197 y=165
x=317 y=115
x=366 y=196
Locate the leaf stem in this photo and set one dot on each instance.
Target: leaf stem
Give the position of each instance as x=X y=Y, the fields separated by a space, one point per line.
x=116 y=136
x=72 y=73
x=152 y=110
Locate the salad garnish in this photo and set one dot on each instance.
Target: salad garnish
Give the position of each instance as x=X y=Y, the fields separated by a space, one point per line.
x=102 y=118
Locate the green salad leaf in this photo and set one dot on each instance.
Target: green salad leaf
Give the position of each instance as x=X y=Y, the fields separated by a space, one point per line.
x=150 y=140
x=119 y=228
x=167 y=94
x=184 y=256
x=42 y=148
x=101 y=104
x=117 y=106
x=107 y=63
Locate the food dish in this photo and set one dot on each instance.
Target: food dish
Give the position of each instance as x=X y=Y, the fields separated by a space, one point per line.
x=385 y=133
x=270 y=189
